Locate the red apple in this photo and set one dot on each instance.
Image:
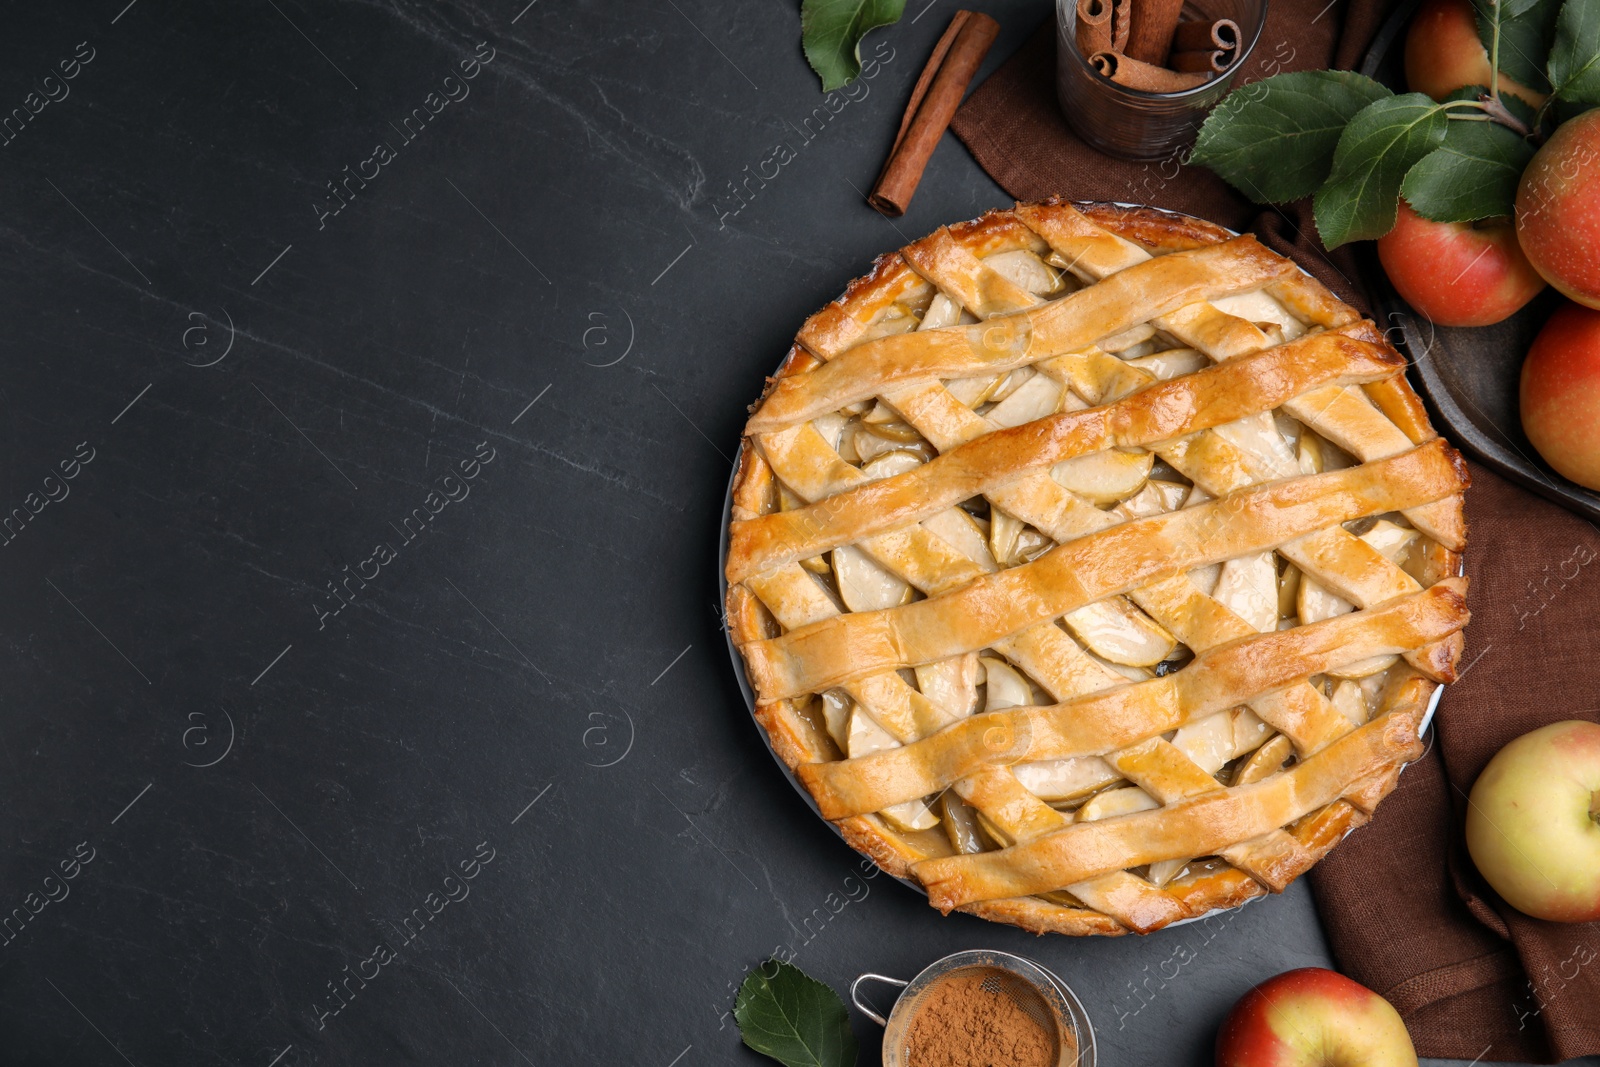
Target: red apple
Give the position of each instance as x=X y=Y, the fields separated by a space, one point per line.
x=1533 y=826
x=1457 y=273
x=1313 y=1018
x=1561 y=393
x=1558 y=209
x=1445 y=53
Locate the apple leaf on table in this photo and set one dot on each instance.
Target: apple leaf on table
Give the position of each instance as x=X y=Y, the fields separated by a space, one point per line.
x=794 y=1018
x=1575 y=57
x=831 y=32
x=1472 y=176
x=1384 y=141
x=1275 y=139
x=1527 y=29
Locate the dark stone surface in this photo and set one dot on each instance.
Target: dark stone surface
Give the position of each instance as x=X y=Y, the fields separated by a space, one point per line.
x=539 y=276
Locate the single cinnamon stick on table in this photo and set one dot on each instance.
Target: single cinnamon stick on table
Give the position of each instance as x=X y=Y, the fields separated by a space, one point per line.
x=1148 y=77
x=1093 y=32
x=934 y=99
x=1151 y=28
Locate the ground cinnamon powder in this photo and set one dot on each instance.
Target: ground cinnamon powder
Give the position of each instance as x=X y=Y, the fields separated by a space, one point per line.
x=959 y=1024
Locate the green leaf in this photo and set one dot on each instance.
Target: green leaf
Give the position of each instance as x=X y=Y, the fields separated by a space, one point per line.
x=1513 y=8
x=831 y=31
x=1575 y=59
x=794 y=1018
x=1472 y=176
x=1382 y=143
x=1527 y=28
x=1273 y=140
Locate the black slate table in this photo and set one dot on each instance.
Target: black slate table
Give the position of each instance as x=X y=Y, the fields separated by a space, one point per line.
x=370 y=376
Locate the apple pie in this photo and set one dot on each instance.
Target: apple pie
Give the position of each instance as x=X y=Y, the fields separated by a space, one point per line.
x=1094 y=567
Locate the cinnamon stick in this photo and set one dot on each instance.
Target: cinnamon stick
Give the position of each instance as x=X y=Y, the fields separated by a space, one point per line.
x=1202 y=59
x=933 y=103
x=1121 y=23
x=1151 y=28
x=1148 y=77
x=1194 y=35
x=1094 y=27
x=1201 y=45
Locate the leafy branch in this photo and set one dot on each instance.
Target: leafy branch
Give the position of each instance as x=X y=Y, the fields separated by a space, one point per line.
x=1357 y=148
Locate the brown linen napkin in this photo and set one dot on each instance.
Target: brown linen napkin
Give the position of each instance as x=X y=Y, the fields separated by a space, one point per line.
x=1404 y=911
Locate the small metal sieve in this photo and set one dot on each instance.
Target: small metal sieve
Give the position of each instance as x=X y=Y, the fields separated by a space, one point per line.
x=1038 y=993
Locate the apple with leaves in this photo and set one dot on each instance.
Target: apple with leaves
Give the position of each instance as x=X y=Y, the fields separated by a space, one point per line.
x=1313 y=1017
x=1560 y=393
x=1558 y=209
x=1357 y=148
x=1458 y=273
x=1533 y=824
x=1444 y=53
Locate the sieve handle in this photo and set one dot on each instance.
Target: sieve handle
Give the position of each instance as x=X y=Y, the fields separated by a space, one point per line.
x=855 y=995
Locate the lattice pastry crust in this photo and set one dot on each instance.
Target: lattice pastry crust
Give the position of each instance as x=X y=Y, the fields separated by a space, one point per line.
x=1094 y=567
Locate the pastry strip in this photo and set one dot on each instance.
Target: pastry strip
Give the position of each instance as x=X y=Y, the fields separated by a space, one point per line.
x=1112 y=561
x=1123 y=300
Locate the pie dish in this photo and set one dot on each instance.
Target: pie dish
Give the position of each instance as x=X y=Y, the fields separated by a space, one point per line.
x=1094 y=567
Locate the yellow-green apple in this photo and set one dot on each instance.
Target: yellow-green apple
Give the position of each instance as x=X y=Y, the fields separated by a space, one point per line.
x=1533 y=826
x=1561 y=393
x=1313 y=1017
x=1457 y=273
x=1444 y=53
x=1558 y=209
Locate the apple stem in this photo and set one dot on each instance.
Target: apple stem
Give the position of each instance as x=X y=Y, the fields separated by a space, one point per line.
x=1594 y=805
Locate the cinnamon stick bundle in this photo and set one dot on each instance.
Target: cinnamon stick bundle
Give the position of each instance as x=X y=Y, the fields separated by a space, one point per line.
x=1150 y=47
x=1125 y=70
x=934 y=99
